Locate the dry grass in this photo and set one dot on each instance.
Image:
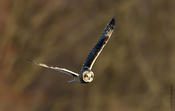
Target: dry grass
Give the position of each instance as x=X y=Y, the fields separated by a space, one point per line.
x=133 y=73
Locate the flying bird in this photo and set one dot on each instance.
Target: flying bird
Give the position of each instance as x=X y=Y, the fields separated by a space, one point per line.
x=86 y=75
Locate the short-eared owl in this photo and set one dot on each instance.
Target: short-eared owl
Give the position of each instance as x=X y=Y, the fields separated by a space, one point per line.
x=86 y=75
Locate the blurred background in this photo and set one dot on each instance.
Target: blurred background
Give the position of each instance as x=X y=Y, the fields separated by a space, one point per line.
x=133 y=73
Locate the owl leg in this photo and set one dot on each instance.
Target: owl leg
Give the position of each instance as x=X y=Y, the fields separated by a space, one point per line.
x=72 y=80
x=77 y=79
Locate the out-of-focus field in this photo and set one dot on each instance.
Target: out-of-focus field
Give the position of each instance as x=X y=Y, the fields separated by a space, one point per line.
x=133 y=73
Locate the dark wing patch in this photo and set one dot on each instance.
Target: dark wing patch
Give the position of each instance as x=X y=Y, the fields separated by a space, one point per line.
x=91 y=58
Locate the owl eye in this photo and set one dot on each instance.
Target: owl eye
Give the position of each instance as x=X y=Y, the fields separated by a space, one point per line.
x=85 y=75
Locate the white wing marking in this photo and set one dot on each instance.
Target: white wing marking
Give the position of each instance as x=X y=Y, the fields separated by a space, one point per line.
x=63 y=70
x=97 y=49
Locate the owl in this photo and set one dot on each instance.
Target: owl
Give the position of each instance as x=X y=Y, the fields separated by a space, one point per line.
x=86 y=74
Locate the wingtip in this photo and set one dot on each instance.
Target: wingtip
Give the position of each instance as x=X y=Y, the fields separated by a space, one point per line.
x=112 y=22
x=29 y=60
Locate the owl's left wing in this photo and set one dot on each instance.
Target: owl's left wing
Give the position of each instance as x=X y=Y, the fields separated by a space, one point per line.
x=91 y=58
x=63 y=70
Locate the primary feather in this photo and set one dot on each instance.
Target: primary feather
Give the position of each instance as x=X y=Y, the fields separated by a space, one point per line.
x=95 y=52
x=63 y=70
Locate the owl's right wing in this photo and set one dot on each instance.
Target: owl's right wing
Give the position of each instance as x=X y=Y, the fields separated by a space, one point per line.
x=63 y=70
x=95 y=52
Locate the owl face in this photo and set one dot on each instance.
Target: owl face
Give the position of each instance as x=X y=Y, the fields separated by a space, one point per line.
x=87 y=76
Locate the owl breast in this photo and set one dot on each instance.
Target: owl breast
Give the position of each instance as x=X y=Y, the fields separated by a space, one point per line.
x=87 y=76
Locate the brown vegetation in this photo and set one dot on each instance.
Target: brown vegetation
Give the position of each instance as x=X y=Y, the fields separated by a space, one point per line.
x=133 y=73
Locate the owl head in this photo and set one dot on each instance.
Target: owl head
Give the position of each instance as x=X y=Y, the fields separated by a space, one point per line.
x=87 y=76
